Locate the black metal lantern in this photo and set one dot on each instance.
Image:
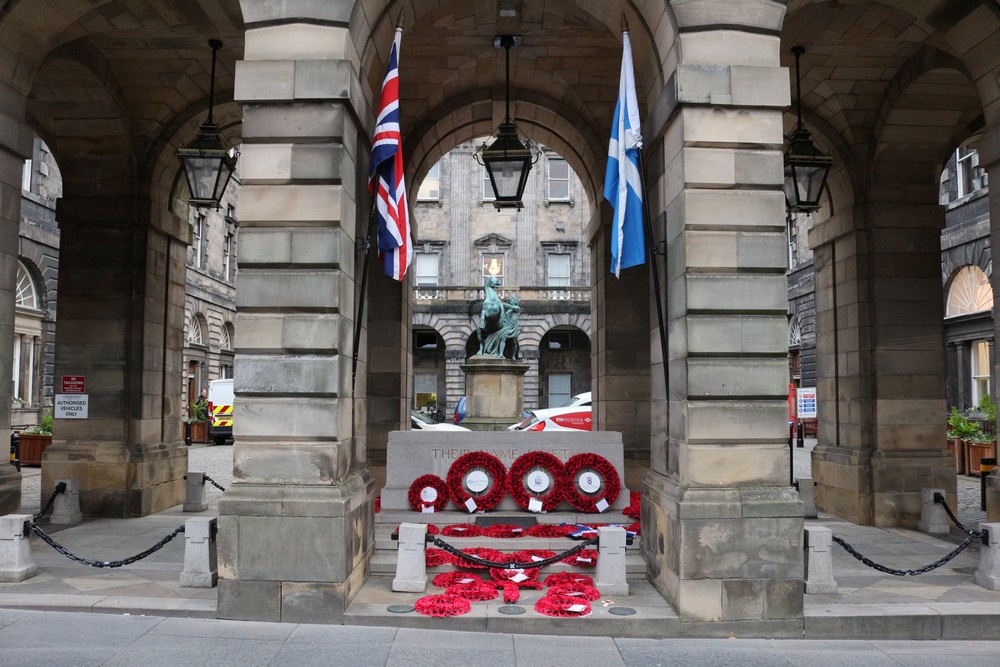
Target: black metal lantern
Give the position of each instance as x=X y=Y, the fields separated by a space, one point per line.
x=508 y=159
x=208 y=162
x=806 y=166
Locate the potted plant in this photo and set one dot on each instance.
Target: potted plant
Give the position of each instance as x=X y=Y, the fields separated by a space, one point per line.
x=199 y=420
x=961 y=429
x=35 y=440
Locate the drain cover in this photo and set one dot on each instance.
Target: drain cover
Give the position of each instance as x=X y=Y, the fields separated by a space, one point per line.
x=621 y=611
x=400 y=608
x=511 y=609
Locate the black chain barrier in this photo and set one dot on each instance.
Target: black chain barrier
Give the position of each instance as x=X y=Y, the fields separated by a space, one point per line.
x=970 y=535
x=105 y=563
x=213 y=483
x=482 y=562
x=59 y=488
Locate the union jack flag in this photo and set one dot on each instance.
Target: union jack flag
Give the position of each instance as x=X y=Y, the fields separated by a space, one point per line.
x=394 y=245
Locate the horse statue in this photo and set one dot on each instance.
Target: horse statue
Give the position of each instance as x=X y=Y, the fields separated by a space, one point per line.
x=498 y=322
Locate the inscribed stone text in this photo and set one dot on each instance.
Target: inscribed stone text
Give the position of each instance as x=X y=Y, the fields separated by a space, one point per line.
x=502 y=454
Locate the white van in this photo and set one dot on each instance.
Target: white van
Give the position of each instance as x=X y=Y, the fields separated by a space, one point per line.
x=220 y=410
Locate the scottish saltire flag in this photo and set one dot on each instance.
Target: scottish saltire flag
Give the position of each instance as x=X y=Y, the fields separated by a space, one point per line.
x=394 y=245
x=622 y=185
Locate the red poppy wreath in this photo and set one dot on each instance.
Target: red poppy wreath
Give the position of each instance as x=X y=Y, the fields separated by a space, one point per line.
x=427 y=494
x=533 y=481
x=475 y=473
x=590 y=482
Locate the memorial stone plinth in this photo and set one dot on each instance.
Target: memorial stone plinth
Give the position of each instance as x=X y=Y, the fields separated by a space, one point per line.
x=495 y=390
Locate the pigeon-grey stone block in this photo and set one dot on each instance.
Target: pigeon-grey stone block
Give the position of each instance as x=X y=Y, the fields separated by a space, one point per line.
x=988 y=574
x=933 y=518
x=66 y=507
x=806 y=493
x=16 y=562
x=411 y=563
x=195 y=499
x=819 y=560
x=610 y=575
x=201 y=564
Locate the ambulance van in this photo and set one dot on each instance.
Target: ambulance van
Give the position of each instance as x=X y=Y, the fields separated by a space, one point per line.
x=220 y=410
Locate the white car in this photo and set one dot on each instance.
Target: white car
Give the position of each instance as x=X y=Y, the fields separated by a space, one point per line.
x=574 y=415
x=421 y=422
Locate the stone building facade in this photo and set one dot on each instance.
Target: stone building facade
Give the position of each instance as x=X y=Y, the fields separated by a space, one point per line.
x=540 y=255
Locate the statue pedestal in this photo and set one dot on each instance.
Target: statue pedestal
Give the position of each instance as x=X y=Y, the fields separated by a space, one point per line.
x=494 y=387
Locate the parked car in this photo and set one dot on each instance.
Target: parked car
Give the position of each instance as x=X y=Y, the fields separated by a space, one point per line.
x=575 y=418
x=421 y=422
x=460 y=410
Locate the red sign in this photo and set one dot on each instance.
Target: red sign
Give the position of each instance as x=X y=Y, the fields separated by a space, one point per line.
x=74 y=384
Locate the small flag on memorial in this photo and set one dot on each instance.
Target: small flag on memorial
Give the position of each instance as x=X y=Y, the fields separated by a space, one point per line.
x=622 y=183
x=385 y=178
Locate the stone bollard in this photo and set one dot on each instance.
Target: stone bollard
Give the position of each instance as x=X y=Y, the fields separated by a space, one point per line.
x=610 y=575
x=411 y=559
x=194 y=496
x=806 y=486
x=201 y=569
x=819 y=560
x=933 y=518
x=66 y=507
x=993 y=496
x=16 y=562
x=988 y=574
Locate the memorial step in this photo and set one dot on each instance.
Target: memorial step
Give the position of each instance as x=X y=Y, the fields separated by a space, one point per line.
x=449 y=517
x=383 y=564
x=384 y=541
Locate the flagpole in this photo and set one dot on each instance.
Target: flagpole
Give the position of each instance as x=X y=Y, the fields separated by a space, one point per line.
x=366 y=244
x=651 y=241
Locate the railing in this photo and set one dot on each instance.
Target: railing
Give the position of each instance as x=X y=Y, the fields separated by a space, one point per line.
x=524 y=294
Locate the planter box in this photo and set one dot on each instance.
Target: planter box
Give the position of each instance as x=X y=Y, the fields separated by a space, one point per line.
x=976 y=451
x=199 y=431
x=957 y=448
x=32 y=448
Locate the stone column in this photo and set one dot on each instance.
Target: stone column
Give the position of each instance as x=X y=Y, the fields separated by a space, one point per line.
x=727 y=525
x=961 y=368
x=119 y=321
x=15 y=148
x=296 y=525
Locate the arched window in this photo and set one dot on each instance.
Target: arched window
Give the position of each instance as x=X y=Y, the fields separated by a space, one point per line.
x=225 y=337
x=27 y=293
x=970 y=292
x=794 y=333
x=194 y=333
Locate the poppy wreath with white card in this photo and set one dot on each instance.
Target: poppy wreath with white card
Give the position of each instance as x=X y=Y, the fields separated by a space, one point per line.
x=476 y=481
x=534 y=481
x=428 y=494
x=590 y=483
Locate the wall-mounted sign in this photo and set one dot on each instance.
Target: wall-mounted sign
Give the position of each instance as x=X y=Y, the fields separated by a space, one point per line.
x=70 y=406
x=807 y=402
x=74 y=384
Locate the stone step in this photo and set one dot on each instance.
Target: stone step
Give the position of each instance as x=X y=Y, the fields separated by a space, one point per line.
x=383 y=564
x=383 y=540
x=448 y=517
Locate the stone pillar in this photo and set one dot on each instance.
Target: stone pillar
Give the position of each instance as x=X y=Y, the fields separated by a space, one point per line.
x=989 y=159
x=296 y=524
x=15 y=148
x=495 y=389
x=120 y=315
x=722 y=528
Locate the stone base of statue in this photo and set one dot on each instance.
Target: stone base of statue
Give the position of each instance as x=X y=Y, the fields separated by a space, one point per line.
x=494 y=387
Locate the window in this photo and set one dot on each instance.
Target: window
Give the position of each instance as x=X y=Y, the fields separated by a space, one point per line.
x=425 y=391
x=980 y=371
x=225 y=338
x=27 y=295
x=970 y=292
x=560 y=340
x=487 y=186
x=199 y=237
x=26 y=176
x=194 y=334
x=425 y=339
x=558 y=270
x=227 y=254
x=430 y=188
x=965 y=171
x=428 y=269
x=493 y=265
x=558 y=182
x=559 y=389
